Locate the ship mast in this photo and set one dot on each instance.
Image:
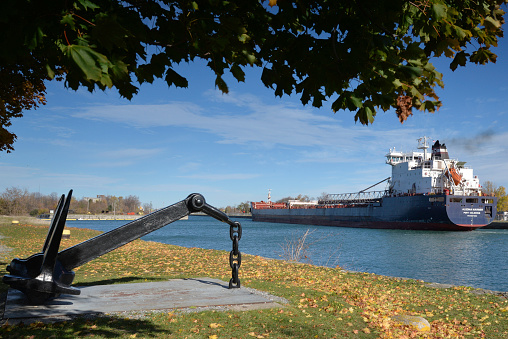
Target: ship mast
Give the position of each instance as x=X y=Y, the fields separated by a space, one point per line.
x=422 y=144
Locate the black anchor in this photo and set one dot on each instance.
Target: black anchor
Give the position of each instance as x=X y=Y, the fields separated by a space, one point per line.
x=48 y=274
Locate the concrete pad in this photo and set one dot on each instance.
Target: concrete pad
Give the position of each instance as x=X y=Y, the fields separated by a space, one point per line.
x=171 y=294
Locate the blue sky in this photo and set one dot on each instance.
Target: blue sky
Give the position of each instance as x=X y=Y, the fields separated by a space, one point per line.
x=167 y=143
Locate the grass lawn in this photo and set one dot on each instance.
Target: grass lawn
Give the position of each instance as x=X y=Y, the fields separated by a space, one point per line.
x=324 y=302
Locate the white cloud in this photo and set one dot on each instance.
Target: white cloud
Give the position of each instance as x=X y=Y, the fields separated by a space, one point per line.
x=125 y=157
x=35 y=177
x=244 y=119
x=144 y=116
x=11 y=174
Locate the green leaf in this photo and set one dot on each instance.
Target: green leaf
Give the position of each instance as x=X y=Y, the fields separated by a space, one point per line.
x=51 y=73
x=411 y=71
x=347 y=101
x=109 y=33
x=415 y=62
x=87 y=4
x=237 y=72
x=415 y=93
x=268 y=77
x=120 y=70
x=356 y=101
x=459 y=60
x=461 y=33
x=68 y=19
x=491 y=23
x=439 y=11
x=365 y=115
x=243 y=38
x=370 y=114
x=397 y=83
x=85 y=58
x=106 y=80
x=429 y=67
x=430 y=106
x=36 y=38
x=173 y=78
x=482 y=56
x=221 y=84
x=251 y=58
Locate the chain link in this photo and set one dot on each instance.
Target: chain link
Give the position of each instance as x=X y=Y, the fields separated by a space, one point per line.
x=235 y=257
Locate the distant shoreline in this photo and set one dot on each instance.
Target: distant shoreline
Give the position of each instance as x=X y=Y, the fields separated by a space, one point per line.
x=103 y=217
x=98 y=217
x=497 y=225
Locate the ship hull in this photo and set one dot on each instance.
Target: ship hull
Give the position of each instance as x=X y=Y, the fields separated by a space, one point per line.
x=412 y=212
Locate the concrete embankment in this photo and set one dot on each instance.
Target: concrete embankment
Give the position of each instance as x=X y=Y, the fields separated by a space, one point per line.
x=102 y=217
x=105 y=217
x=134 y=217
x=498 y=225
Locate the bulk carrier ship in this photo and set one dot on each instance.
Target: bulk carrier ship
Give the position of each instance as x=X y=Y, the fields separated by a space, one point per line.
x=427 y=191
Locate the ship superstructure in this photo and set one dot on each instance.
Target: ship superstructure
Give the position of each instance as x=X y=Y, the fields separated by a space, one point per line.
x=426 y=191
x=433 y=172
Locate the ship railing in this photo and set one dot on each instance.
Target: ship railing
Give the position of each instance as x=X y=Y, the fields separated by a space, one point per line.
x=353 y=198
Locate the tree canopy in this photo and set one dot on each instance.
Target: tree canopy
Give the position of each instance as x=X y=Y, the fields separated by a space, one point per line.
x=498 y=191
x=364 y=55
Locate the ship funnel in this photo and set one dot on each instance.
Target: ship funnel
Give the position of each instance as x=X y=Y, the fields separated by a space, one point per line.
x=439 y=151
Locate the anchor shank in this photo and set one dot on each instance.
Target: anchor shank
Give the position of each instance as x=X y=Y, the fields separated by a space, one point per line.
x=88 y=250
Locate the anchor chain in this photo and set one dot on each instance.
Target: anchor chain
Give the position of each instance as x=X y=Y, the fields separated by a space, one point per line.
x=235 y=257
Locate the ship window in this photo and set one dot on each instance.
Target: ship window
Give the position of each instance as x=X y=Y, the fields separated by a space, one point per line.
x=488 y=201
x=471 y=200
x=488 y=211
x=455 y=199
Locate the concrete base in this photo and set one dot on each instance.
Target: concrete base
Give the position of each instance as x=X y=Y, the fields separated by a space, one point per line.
x=138 y=297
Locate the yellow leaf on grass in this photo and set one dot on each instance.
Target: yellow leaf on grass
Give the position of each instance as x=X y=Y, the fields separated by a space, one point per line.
x=213 y=336
x=214 y=325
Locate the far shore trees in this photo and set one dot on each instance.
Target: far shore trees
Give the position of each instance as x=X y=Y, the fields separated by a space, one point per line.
x=500 y=192
x=243 y=207
x=17 y=201
x=364 y=56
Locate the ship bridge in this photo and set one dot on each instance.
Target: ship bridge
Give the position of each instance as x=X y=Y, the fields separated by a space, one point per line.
x=423 y=172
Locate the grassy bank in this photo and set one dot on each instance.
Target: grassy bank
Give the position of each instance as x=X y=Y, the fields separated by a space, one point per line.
x=324 y=302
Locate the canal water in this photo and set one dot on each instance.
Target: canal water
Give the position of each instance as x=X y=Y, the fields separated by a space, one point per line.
x=476 y=258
